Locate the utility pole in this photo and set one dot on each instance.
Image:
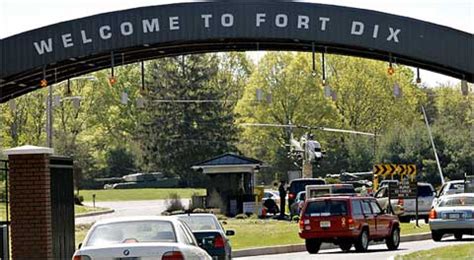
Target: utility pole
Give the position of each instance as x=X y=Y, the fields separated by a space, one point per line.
x=433 y=145
x=307 y=169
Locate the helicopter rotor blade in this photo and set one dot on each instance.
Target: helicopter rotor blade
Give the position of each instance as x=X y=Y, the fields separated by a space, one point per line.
x=269 y=125
x=344 y=131
x=309 y=128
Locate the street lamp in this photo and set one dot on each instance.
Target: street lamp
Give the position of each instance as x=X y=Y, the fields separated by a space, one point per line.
x=49 y=107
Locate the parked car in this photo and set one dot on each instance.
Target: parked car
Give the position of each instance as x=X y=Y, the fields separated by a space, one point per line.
x=314 y=191
x=448 y=188
x=406 y=208
x=296 y=207
x=210 y=234
x=271 y=194
x=454 y=214
x=270 y=201
x=140 y=238
x=347 y=221
x=298 y=185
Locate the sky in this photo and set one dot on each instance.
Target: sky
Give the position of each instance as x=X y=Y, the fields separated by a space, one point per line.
x=17 y=16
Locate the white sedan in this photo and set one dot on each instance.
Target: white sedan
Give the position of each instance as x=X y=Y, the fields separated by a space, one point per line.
x=143 y=238
x=454 y=214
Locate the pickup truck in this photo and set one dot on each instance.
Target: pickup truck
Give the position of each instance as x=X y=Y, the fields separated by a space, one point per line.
x=406 y=208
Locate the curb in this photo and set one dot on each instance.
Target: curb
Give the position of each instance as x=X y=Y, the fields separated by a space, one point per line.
x=301 y=247
x=90 y=214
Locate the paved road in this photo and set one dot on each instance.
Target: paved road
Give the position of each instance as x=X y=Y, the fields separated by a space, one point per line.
x=129 y=208
x=376 y=252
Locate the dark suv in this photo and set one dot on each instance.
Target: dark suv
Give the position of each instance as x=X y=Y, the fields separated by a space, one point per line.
x=347 y=221
x=298 y=185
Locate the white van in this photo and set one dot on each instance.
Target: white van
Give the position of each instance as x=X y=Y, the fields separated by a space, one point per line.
x=314 y=191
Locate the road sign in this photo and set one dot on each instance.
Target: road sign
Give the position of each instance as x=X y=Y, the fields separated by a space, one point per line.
x=384 y=169
x=407 y=188
x=390 y=170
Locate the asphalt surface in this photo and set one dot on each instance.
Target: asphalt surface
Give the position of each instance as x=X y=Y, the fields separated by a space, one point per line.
x=128 y=208
x=375 y=252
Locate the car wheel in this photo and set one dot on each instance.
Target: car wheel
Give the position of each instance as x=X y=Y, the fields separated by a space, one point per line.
x=458 y=236
x=393 y=241
x=436 y=235
x=312 y=245
x=345 y=246
x=362 y=243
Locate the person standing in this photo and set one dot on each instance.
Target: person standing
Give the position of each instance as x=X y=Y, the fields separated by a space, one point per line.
x=282 y=192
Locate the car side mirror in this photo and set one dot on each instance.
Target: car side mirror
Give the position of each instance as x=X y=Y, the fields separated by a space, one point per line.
x=79 y=246
x=229 y=232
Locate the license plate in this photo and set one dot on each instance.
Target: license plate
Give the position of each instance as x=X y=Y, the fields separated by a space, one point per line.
x=454 y=216
x=325 y=224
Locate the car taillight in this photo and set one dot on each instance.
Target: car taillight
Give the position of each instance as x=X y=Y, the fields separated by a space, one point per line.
x=349 y=222
x=81 y=257
x=219 y=242
x=301 y=224
x=172 y=255
x=291 y=196
x=400 y=202
x=304 y=224
x=433 y=214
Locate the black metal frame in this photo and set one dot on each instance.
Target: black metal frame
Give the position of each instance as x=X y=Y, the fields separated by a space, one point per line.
x=5 y=245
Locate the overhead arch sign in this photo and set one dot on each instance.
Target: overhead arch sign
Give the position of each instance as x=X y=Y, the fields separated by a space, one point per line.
x=80 y=46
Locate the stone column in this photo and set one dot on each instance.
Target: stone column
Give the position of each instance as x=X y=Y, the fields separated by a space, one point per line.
x=30 y=202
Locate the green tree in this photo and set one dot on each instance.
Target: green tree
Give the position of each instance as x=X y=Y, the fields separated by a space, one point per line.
x=177 y=133
x=291 y=94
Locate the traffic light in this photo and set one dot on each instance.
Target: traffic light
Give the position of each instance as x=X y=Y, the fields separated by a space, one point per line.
x=43 y=83
x=112 y=80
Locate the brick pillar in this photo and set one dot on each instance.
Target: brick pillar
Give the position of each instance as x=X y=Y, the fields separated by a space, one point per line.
x=30 y=202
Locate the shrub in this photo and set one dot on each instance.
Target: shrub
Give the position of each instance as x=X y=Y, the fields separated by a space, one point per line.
x=174 y=203
x=199 y=210
x=221 y=217
x=241 y=216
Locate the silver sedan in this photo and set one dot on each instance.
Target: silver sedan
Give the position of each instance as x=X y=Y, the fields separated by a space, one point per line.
x=454 y=214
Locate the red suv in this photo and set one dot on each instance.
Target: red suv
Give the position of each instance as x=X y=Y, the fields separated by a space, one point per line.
x=345 y=221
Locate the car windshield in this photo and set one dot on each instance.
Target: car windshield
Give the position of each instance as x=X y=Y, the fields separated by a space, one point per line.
x=133 y=231
x=424 y=191
x=327 y=208
x=457 y=186
x=196 y=222
x=457 y=202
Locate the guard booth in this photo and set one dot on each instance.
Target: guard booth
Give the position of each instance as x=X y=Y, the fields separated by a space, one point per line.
x=232 y=182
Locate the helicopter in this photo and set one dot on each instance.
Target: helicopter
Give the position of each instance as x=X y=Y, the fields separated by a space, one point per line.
x=306 y=151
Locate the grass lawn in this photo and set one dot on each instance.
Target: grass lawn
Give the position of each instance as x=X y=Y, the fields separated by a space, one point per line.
x=138 y=194
x=81 y=231
x=410 y=228
x=3 y=212
x=260 y=233
x=458 y=252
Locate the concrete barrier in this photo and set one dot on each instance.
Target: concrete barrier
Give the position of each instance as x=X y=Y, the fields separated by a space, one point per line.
x=96 y=213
